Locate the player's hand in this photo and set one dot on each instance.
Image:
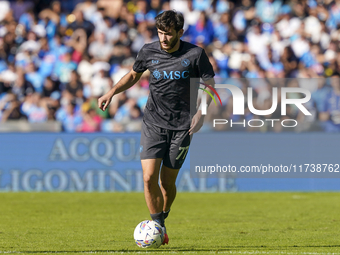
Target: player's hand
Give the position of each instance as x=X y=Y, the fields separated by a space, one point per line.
x=104 y=101
x=196 y=123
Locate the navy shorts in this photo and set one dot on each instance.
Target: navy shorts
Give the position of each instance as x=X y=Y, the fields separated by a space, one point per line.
x=170 y=145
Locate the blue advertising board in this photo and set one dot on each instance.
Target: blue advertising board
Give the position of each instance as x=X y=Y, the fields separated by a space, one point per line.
x=109 y=162
x=81 y=162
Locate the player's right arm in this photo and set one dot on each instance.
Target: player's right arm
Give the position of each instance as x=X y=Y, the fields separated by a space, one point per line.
x=124 y=83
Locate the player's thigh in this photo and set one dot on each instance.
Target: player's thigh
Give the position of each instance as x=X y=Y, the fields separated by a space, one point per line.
x=153 y=142
x=178 y=149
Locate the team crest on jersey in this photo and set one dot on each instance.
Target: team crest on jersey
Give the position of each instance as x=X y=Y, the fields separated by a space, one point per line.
x=185 y=62
x=155 y=61
x=157 y=74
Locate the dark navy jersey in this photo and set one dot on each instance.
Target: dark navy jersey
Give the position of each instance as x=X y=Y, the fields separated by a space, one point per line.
x=168 y=105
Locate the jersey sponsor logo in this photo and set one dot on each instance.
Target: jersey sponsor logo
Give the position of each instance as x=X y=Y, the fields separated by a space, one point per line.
x=185 y=62
x=172 y=75
x=175 y=75
x=157 y=74
x=155 y=61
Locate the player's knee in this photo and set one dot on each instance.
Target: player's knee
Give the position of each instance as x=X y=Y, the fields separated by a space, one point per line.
x=150 y=180
x=168 y=185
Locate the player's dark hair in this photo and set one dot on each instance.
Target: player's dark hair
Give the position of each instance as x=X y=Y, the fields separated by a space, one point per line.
x=169 y=19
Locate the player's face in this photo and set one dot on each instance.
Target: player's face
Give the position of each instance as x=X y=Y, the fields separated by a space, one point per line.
x=169 y=39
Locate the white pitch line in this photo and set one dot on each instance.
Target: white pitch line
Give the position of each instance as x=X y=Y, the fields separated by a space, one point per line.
x=173 y=252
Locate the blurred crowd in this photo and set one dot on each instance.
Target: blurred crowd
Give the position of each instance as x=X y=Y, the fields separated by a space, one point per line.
x=58 y=57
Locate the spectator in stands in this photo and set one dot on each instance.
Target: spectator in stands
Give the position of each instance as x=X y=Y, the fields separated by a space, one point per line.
x=52 y=18
x=57 y=47
x=330 y=112
x=88 y=8
x=80 y=23
x=10 y=47
x=268 y=10
x=85 y=69
x=91 y=121
x=4 y=10
x=64 y=67
x=78 y=43
x=242 y=16
x=48 y=58
x=111 y=30
x=221 y=28
x=10 y=108
x=320 y=95
x=141 y=12
x=145 y=36
x=100 y=82
x=7 y=78
x=75 y=86
x=21 y=87
x=34 y=108
x=201 y=5
x=290 y=62
x=51 y=94
x=36 y=79
x=40 y=51
x=27 y=19
x=70 y=117
x=100 y=49
x=202 y=31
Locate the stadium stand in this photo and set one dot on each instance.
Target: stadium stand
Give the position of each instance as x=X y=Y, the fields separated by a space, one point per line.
x=58 y=57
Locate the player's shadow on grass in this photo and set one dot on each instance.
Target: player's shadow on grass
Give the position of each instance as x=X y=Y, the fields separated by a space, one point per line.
x=178 y=249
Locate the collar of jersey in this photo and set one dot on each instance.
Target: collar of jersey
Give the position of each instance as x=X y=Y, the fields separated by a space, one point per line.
x=172 y=53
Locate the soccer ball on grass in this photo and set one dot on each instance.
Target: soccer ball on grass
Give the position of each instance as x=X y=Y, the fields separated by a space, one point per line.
x=148 y=234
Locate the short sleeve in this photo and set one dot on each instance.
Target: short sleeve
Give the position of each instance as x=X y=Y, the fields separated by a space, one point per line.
x=140 y=63
x=205 y=68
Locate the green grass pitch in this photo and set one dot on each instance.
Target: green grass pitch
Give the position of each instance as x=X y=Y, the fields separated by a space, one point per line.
x=225 y=223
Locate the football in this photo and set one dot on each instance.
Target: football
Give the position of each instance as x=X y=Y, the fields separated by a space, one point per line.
x=148 y=234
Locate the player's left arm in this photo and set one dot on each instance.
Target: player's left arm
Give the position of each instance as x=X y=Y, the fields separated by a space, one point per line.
x=206 y=72
x=198 y=119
